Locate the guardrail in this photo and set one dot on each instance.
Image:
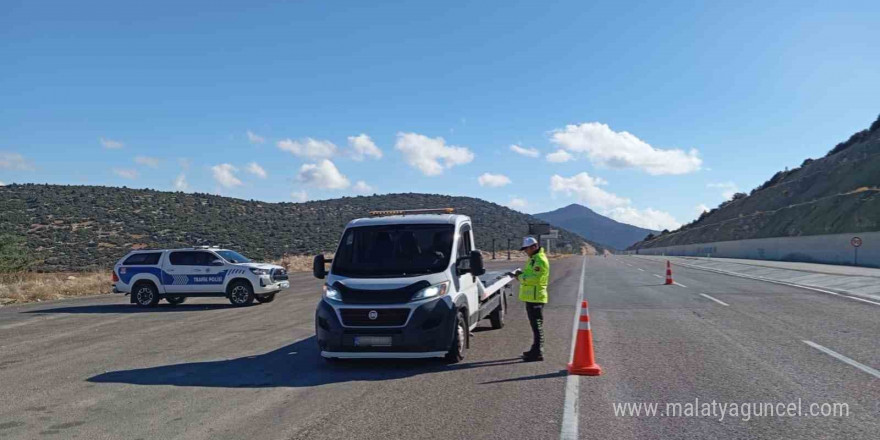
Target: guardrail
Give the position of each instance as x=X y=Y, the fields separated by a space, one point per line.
x=855 y=249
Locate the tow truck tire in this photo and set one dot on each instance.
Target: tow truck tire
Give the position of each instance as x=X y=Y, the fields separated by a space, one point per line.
x=145 y=294
x=240 y=293
x=263 y=299
x=175 y=300
x=459 y=340
x=496 y=318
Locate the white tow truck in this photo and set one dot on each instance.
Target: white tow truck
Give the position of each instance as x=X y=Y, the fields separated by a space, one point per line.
x=406 y=284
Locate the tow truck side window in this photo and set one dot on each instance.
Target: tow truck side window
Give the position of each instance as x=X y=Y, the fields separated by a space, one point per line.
x=464 y=246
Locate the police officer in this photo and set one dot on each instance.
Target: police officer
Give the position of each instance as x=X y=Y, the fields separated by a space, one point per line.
x=533 y=279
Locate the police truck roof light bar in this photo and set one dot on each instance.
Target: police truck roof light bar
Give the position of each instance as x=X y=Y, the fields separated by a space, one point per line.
x=411 y=212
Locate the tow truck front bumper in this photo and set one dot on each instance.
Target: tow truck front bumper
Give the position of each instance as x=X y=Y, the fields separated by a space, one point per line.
x=427 y=331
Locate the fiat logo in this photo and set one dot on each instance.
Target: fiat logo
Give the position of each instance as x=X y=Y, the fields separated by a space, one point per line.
x=373 y=315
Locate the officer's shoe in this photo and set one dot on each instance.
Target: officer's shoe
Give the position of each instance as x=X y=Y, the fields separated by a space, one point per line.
x=531 y=356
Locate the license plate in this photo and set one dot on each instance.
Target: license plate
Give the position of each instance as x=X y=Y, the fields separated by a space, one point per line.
x=372 y=341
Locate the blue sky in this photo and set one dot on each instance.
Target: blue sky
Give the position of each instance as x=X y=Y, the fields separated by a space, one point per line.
x=657 y=108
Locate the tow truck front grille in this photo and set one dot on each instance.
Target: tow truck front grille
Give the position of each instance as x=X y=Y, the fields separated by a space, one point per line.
x=381 y=317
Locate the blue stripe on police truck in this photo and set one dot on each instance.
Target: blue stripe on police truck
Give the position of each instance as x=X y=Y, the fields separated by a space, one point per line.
x=127 y=273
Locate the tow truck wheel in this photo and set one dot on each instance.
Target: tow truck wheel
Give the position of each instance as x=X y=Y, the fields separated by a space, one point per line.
x=145 y=295
x=459 y=341
x=175 y=300
x=241 y=294
x=263 y=299
x=497 y=316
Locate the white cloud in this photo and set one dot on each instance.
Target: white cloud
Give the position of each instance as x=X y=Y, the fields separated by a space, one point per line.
x=517 y=203
x=361 y=187
x=125 y=173
x=701 y=208
x=299 y=196
x=323 y=174
x=587 y=189
x=14 y=161
x=728 y=189
x=528 y=152
x=183 y=162
x=308 y=147
x=493 y=180
x=255 y=169
x=2 y=184
x=645 y=218
x=224 y=174
x=606 y=147
x=151 y=162
x=426 y=153
x=255 y=138
x=111 y=144
x=180 y=183
x=362 y=147
x=559 y=156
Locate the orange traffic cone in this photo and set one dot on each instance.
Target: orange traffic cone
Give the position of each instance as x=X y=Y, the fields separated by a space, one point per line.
x=584 y=362
x=669 y=273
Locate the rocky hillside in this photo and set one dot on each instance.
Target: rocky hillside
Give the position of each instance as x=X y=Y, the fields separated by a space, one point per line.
x=834 y=194
x=84 y=227
x=596 y=227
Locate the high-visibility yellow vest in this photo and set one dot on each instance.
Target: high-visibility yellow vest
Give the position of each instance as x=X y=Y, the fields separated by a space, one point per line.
x=534 y=279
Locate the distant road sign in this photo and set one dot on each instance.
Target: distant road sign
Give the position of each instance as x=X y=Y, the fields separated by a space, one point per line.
x=554 y=234
x=856 y=241
x=539 y=228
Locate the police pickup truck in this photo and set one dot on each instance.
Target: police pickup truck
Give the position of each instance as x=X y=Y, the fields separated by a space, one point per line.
x=406 y=284
x=175 y=274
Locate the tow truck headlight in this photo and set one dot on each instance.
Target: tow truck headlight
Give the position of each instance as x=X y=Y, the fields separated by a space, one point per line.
x=431 y=292
x=331 y=293
x=257 y=271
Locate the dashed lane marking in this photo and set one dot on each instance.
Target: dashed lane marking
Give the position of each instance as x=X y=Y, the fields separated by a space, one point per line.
x=716 y=300
x=844 y=359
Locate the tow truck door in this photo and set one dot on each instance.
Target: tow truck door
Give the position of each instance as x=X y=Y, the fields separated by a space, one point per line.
x=467 y=282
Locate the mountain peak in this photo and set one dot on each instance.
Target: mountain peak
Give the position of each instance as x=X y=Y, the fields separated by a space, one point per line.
x=594 y=226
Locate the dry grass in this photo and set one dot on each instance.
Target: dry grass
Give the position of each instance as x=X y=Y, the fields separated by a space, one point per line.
x=25 y=287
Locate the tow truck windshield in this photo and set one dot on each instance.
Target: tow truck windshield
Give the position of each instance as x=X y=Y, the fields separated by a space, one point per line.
x=387 y=251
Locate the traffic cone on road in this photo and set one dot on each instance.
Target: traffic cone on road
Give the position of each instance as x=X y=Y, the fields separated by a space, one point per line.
x=584 y=362
x=669 y=273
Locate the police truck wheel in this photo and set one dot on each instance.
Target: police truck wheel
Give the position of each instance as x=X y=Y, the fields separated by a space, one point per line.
x=175 y=300
x=145 y=295
x=459 y=340
x=263 y=299
x=497 y=316
x=241 y=294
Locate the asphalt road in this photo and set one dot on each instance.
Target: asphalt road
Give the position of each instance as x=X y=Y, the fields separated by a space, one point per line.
x=100 y=368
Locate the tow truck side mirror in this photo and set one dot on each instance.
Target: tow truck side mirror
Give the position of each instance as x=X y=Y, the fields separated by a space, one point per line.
x=476 y=260
x=318 y=266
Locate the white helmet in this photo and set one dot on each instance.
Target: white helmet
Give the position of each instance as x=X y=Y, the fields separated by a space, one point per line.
x=528 y=241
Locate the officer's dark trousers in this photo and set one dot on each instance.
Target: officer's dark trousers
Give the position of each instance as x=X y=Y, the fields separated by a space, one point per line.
x=535 y=311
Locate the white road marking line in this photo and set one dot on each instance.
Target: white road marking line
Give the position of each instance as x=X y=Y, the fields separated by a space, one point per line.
x=658 y=276
x=641 y=269
x=845 y=359
x=571 y=406
x=679 y=284
x=716 y=300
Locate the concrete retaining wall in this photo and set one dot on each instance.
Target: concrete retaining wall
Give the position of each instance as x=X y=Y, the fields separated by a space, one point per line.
x=828 y=249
